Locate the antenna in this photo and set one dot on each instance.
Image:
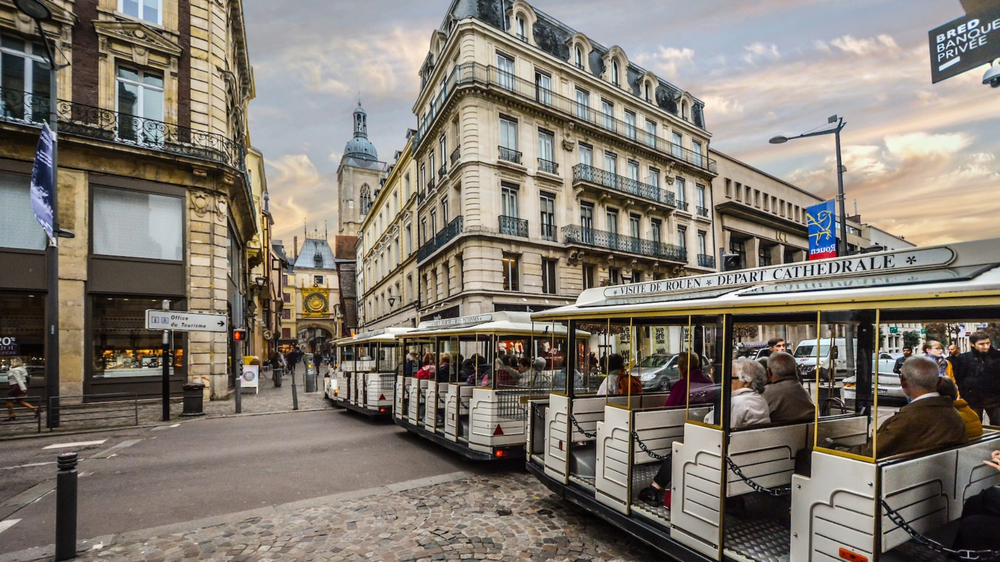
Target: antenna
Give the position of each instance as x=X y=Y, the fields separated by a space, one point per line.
x=326 y=228
x=855 y=207
x=305 y=232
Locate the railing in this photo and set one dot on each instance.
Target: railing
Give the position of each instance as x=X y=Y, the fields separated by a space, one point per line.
x=447 y=234
x=442 y=171
x=549 y=232
x=683 y=206
x=574 y=234
x=95 y=408
x=513 y=226
x=510 y=155
x=76 y=119
x=489 y=76
x=702 y=211
x=583 y=172
x=705 y=260
x=430 y=185
x=548 y=166
x=456 y=154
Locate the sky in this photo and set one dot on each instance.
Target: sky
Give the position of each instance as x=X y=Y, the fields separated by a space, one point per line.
x=921 y=158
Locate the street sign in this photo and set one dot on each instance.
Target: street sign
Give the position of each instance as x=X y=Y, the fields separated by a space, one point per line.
x=186 y=321
x=964 y=43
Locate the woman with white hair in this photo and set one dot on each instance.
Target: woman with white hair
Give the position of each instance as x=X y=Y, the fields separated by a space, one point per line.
x=748 y=404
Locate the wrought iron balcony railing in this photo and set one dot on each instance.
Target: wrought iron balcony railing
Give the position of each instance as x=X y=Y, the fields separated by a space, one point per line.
x=575 y=234
x=442 y=171
x=76 y=119
x=702 y=211
x=705 y=260
x=583 y=172
x=510 y=155
x=513 y=226
x=549 y=232
x=474 y=74
x=445 y=235
x=548 y=166
x=456 y=154
x=430 y=183
x=683 y=206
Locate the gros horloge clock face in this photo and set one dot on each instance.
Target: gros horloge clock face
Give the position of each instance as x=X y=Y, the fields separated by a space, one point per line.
x=315 y=303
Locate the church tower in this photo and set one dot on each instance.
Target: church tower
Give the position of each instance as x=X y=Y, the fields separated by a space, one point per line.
x=358 y=177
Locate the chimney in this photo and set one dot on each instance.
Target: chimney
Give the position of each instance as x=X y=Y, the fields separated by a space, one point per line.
x=295 y=247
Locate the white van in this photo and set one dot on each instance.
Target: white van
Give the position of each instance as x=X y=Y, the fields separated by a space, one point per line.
x=805 y=357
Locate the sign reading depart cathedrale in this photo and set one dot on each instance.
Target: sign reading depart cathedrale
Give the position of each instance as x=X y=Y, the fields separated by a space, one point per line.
x=863 y=264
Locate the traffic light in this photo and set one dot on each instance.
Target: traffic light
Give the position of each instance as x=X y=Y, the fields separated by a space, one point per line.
x=239 y=334
x=731 y=262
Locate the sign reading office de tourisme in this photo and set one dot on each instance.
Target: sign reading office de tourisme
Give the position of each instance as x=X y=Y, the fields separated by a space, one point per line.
x=186 y=321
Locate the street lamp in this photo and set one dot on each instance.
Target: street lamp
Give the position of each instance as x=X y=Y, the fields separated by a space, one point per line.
x=842 y=242
x=38 y=11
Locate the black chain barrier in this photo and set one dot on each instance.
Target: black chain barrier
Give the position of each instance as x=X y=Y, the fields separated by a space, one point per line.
x=961 y=554
x=645 y=449
x=576 y=424
x=776 y=492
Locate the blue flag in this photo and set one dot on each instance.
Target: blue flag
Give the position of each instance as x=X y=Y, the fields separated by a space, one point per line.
x=41 y=182
x=822 y=222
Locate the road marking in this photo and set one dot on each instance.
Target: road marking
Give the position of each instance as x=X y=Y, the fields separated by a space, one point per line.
x=4 y=525
x=110 y=451
x=26 y=465
x=32 y=494
x=77 y=444
x=161 y=427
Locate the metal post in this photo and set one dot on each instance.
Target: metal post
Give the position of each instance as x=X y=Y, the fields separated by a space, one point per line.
x=295 y=393
x=66 y=506
x=842 y=246
x=238 y=365
x=165 y=358
x=52 y=252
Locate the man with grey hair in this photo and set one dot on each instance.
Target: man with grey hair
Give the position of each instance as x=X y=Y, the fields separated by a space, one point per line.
x=785 y=395
x=929 y=421
x=748 y=405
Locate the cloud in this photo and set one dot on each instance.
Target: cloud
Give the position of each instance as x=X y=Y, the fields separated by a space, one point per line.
x=719 y=105
x=666 y=61
x=299 y=192
x=924 y=145
x=759 y=51
x=879 y=44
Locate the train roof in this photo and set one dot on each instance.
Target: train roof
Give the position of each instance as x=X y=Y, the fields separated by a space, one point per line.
x=967 y=269
x=497 y=323
x=385 y=335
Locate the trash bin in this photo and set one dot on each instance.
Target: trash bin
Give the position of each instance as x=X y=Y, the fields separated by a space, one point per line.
x=194 y=400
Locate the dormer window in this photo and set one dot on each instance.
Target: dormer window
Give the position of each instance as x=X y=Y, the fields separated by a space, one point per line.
x=615 y=73
x=519 y=28
x=684 y=110
x=579 y=58
x=647 y=93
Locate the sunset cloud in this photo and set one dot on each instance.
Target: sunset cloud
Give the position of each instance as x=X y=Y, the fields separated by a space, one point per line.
x=758 y=51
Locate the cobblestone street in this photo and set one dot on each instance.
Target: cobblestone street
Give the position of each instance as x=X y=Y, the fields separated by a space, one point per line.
x=503 y=517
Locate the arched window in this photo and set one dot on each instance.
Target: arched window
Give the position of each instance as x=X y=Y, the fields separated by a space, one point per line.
x=520 y=29
x=648 y=99
x=366 y=199
x=684 y=110
x=579 y=58
x=615 y=73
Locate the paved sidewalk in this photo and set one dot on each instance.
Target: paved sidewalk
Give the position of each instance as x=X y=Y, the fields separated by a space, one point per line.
x=505 y=517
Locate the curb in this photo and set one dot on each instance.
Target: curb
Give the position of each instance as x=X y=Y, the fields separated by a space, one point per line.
x=104 y=541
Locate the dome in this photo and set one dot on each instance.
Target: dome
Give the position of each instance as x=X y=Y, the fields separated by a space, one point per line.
x=360 y=150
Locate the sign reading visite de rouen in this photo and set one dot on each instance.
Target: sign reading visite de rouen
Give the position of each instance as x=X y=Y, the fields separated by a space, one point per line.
x=965 y=43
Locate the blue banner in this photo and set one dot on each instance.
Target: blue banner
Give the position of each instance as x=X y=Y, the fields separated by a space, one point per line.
x=41 y=182
x=822 y=222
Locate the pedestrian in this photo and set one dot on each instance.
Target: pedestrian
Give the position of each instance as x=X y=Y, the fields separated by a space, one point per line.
x=773 y=345
x=934 y=351
x=907 y=352
x=17 y=378
x=953 y=352
x=977 y=374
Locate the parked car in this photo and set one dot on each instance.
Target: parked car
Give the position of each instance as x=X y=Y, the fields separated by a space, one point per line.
x=659 y=371
x=805 y=357
x=889 y=387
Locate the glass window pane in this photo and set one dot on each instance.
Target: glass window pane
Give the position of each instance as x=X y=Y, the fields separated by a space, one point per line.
x=22 y=334
x=151 y=10
x=138 y=225
x=122 y=348
x=152 y=104
x=12 y=43
x=128 y=74
x=12 y=80
x=20 y=229
x=130 y=8
x=128 y=98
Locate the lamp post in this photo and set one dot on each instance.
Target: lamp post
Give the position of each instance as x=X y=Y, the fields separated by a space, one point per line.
x=39 y=12
x=842 y=242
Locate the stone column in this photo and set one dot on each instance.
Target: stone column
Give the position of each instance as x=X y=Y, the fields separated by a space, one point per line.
x=752 y=246
x=208 y=237
x=73 y=216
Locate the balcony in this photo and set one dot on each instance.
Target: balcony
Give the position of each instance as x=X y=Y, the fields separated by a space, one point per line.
x=509 y=155
x=105 y=125
x=430 y=185
x=683 y=206
x=456 y=154
x=614 y=242
x=442 y=172
x=513 y=226
x=702 y=211
x=486 y=77
x=549 y=232
x=622 y=184
x=442 y=238
x=548 y=166
x=705 y=260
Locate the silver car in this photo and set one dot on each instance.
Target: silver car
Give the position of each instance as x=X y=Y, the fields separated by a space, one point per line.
x=659 y=371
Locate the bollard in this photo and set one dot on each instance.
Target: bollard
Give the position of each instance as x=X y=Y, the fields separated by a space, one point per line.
x=295 y=394
x=66 y=506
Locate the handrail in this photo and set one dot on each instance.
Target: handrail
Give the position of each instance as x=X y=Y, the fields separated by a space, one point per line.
x=584 y=172
x=510 y=155
x=488 y=76
x=447 y=234
x=513 y=226
x=574 y=234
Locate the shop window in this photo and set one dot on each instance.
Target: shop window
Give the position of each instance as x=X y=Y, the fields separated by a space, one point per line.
x=123 y=347
x=20 y=229
x=22 y=333
x=138 y=225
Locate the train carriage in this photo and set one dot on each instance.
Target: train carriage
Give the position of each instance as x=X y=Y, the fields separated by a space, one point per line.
x=365 y=378
x=464 y=388
x=817 y=488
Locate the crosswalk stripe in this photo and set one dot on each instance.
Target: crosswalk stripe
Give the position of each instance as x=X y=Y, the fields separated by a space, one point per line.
x=77 y=444
x=4 y=525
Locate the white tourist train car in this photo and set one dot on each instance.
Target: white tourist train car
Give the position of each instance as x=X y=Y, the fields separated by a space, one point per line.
x=365 y=377
x=795 y=490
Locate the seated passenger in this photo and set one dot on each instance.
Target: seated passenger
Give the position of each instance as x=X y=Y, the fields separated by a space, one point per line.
x=444 y=369
x=689 y=375
x=929 y=421
x=611 y=386
x=973 y=425
x=468 y=371
x=749 y=408
x=428 y=370
x=786 y=398
x=981 y=517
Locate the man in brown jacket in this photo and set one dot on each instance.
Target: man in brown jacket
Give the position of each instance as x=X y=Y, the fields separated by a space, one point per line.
x=785 y=395
x=929 y=421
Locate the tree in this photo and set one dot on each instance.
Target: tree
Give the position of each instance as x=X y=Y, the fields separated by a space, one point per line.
x=911 y=339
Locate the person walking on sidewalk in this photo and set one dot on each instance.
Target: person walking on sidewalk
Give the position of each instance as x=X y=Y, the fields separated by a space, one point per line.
x=17 y=378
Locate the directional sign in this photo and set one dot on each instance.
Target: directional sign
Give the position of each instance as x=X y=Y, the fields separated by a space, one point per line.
x=186 y=321
x=964 y=43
